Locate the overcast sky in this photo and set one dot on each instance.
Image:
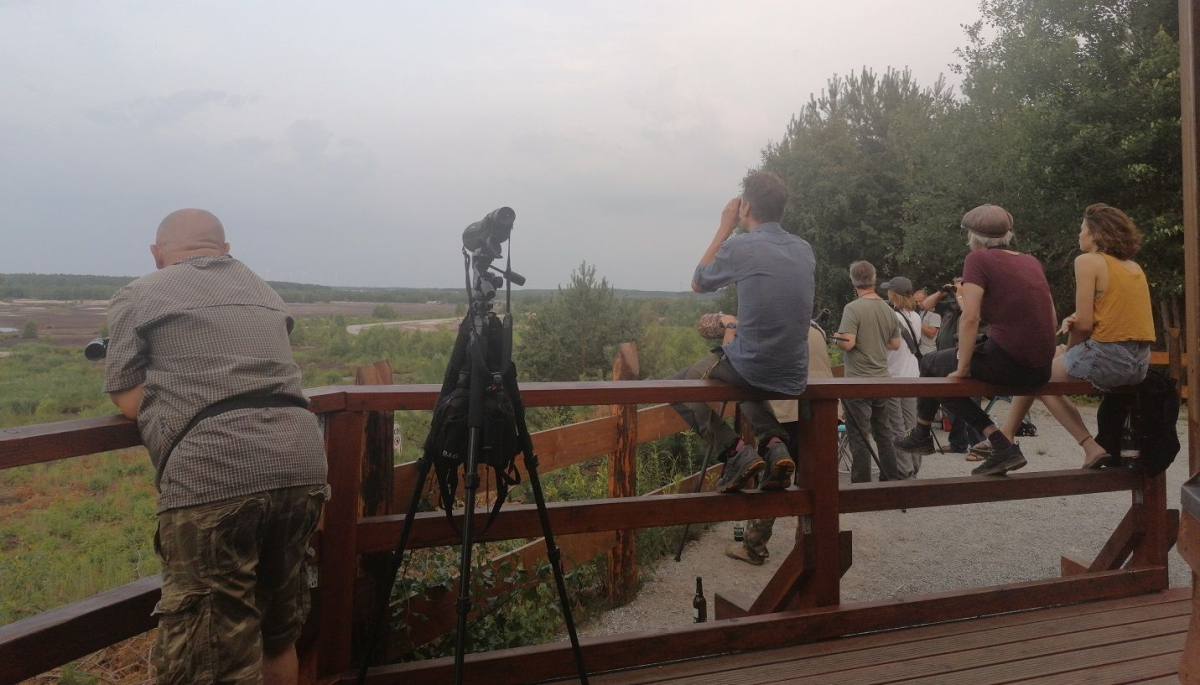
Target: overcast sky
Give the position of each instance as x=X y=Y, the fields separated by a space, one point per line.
x=350 y=143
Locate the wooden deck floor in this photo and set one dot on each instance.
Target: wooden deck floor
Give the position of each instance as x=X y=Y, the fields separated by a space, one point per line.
x=1132 y=640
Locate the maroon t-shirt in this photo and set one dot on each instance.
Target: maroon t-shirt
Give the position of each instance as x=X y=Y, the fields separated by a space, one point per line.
x=1016 y=303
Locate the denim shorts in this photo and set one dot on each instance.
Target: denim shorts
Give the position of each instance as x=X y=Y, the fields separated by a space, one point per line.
x=1109 y=365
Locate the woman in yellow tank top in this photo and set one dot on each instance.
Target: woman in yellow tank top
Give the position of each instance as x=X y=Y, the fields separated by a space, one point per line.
x=1109 y=335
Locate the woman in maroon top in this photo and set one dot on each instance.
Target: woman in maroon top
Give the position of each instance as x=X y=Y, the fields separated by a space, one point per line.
x=1008 y=290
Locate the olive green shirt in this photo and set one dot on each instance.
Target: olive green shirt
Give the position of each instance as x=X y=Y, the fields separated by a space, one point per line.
x=873 y=324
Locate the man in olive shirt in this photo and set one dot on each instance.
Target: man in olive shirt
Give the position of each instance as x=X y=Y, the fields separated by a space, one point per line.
x=199 y=357
x=868 y=330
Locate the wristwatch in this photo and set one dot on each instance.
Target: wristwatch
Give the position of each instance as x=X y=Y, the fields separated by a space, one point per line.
x=731 y=325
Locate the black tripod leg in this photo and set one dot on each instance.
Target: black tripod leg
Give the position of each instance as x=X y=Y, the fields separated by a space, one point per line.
x=555 y=556
x=712 y=448
x=378 y=627
x=471 y=484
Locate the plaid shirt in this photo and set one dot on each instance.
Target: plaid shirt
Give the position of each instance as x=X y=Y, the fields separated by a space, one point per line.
x=195 y=333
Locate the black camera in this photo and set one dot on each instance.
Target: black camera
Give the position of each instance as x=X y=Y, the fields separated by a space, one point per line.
x=96 y=349
x=488 y=234
x=947 y=288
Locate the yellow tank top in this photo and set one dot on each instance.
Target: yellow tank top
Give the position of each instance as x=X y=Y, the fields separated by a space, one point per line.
x=1123 y=310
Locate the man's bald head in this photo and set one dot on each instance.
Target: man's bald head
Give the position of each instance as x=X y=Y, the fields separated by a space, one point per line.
x=188 y=233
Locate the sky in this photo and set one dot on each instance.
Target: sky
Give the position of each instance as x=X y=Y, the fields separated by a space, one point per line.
x=350 y=143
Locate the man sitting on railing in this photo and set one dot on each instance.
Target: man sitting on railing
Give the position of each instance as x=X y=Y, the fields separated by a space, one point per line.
x=199 y=356
x=1007 y=289
x=774 y=274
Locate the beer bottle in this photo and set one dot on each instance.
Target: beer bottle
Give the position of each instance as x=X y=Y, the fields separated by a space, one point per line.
x=699 y=605
x=739 y=531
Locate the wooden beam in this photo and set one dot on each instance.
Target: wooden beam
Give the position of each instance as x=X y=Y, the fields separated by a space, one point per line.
x=544 y=662
x=34 y=645
x=622 y=480
x=1189 y=66
x=345 y=442
x=24 y=445
x=1121 y=543
x=818 y=472
x=430 y=529
x=397 y=397
x=940 y=492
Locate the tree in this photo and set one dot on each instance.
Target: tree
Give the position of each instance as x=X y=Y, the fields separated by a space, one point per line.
x=30 y=330
x=574 y=335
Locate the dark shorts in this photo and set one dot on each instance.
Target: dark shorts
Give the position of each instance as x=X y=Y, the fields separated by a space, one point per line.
x=234 y=585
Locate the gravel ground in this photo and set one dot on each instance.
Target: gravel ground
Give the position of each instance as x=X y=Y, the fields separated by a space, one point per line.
x=922 y=551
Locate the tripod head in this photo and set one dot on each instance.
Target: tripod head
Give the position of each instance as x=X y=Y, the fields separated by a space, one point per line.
x=483 y=244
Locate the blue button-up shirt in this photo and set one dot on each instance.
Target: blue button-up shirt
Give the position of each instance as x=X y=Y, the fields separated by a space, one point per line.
x=773 y=270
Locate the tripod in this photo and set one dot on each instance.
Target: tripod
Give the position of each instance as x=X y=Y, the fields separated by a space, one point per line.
x=482 y=359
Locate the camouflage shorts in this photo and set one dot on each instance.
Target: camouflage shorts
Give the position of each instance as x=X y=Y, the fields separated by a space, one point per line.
x=234 y=583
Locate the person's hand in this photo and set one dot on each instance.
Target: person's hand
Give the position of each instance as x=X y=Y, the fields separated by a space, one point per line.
x=1067 y=324
x=730 y=217
x=727 y=319
x=960 y=373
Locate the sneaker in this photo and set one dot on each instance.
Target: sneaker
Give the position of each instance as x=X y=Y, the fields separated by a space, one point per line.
x=740 y=469
x=911 y=443
x=1001 y=462
x=738 y=551
x=779 y=470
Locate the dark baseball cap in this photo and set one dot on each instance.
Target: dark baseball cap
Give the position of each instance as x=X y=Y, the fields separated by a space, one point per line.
x=900 y=285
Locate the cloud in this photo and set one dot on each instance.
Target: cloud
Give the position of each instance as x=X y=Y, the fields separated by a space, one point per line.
x=159 y=112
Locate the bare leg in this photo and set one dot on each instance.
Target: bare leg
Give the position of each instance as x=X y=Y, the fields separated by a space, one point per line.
x=281 y=668
x=1062 y=409
x=1016 y=414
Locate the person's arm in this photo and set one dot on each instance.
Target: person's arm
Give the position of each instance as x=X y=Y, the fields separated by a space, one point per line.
x=729 y=220
x=931 y=301
x=730 y=323
x=1083 y=320
x=970 y=301
x=845 y=341
x=895 y=340
x=125 y=363
x=930 y=331
x=847 y=330
x=128 y=401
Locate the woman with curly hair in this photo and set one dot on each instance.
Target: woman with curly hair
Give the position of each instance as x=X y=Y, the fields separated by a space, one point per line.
x=1110 y=333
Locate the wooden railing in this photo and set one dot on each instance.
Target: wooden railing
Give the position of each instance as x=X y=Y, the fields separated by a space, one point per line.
x=801 y=603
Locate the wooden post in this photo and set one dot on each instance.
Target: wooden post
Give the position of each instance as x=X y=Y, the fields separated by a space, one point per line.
x=1189 y=76
x=375 y=489
x=817 y=471
x=345 y=443
x=622 y=480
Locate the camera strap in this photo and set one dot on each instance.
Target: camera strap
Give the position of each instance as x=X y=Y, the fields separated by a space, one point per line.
x=228 y=405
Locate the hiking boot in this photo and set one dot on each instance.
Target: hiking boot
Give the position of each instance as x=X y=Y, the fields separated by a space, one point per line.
x=1000 y=462
x=779 y=470
x=740 y=469
x=738 y=551
x=911 y=443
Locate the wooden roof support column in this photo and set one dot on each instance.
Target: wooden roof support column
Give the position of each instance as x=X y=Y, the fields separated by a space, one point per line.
x=1189 y=60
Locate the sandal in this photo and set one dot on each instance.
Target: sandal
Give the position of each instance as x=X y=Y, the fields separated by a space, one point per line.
x=1100 y=460
x=971 y=456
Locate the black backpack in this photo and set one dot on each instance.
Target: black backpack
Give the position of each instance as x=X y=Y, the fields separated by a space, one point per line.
x=500 y=441
x=1152 y=413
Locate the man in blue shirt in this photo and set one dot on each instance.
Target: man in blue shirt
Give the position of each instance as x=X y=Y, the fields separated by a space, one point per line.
x=773 y=271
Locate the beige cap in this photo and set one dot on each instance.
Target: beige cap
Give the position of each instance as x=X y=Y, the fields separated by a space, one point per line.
x=988 y=221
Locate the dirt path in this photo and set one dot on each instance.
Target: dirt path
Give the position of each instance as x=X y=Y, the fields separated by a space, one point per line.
x=923 y=551
x=422 y=325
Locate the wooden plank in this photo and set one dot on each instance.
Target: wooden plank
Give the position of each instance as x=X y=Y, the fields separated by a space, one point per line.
x=1059 y=666
x=375 y=493
x=622 y=481
x=552 y=394
x=560 y=447
x=345 y=442
x=818 y=472
x=430 y=529
x=1155 y=669
x=1152 y=549
x=1121 y=543
x=939 y=492
x=972 y=662
x=542 y=662
x=23 y=445
x=950 y=636
x=37 y=644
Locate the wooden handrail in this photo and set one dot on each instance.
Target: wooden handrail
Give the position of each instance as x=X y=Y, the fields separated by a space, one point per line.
x=25 y=445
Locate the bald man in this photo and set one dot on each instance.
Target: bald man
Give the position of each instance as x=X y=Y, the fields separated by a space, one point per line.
x=199 y=356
